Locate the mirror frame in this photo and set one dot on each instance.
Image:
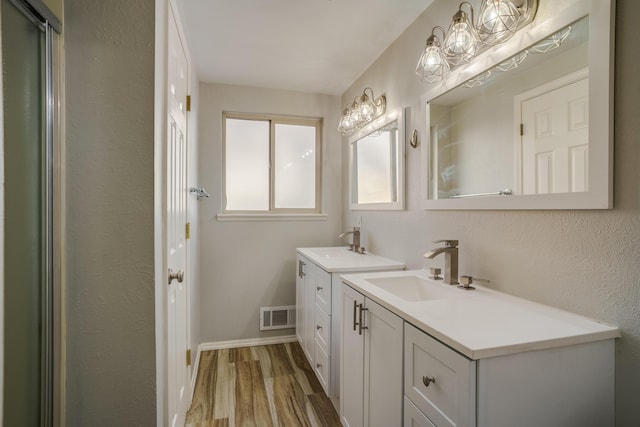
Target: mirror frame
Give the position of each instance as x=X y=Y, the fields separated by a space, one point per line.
x=398 y=205
x=601 y=71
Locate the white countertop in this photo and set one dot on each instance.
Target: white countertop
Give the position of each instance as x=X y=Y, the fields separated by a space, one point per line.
x=341 y=259
x=484 y=323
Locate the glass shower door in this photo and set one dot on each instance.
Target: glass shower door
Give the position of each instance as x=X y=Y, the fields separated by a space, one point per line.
x=27 y=235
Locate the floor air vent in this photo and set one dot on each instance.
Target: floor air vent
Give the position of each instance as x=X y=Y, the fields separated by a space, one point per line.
x=277 y=317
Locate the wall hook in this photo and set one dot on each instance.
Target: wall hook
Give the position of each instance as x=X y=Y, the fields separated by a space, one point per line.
x=414 y=139
x=200 y=192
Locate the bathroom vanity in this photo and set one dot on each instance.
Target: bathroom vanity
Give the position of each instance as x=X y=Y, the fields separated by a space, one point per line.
x=318 y=312
x=417 y=352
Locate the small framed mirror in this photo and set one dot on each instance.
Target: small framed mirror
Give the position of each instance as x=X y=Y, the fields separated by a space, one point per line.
x=376 y=165
x=528 y=124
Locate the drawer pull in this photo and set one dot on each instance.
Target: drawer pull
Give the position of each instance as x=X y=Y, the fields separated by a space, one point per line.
x=428 y=380
x=318 y=327
x=319 y=288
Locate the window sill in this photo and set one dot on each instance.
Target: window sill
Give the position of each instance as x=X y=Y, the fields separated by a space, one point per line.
x=271 y=217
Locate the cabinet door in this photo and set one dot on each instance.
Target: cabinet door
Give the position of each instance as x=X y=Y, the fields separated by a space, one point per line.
x=351 y=357
x=382 y=366
x=309 y=310
x=300 y=300
x=323 y=290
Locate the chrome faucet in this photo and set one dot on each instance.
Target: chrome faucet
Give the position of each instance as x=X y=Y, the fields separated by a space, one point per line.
x=355 y=246
x=450 y=251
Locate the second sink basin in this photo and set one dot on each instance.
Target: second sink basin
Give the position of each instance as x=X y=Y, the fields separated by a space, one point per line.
x=412 y=288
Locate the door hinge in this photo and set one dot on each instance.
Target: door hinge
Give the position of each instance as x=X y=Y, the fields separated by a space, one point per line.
x=188 y=102
x=521 y=129
x=187 y=230
x=188 y=357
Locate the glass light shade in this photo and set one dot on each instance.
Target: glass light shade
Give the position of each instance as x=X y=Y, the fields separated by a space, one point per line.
x=355 y=117
x=498 y=21
x=461 y=43
x=432 y=65
x=346 y=124
x=367 y=109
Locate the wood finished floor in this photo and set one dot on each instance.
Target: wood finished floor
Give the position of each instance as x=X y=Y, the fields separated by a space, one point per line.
x=271 y=385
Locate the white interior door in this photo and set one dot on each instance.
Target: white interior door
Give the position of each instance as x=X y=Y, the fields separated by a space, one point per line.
x=555 y=138
x=177 y=308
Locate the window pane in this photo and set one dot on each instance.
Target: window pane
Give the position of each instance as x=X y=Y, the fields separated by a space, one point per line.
x=295 y=167
x=247 y=165
x=376 y=165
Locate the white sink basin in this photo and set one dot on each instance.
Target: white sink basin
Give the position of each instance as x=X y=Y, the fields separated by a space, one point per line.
x=413 y=288
x=331 y=252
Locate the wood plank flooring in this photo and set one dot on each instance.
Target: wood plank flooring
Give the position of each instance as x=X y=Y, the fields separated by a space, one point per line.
x=270 y=385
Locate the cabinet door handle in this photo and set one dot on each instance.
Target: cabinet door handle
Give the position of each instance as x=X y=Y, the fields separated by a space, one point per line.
x=360 y=325
x=318 y=327
x=319 y=288
x=355 y=307
x=301 y=272
x=318 y=365
x=428 y=380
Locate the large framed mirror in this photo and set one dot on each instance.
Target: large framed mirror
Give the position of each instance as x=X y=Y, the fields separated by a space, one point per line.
x=515 y=128
x=376 y=165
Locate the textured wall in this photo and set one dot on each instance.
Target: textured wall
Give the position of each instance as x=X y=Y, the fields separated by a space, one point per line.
x=587 y=262
x=246 y=265
x=109 y=204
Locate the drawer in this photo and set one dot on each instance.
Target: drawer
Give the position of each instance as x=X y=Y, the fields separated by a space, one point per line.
x=438 y=380
x=323 y=289
x=413 y=417
x=322 y=329
x=321 y=366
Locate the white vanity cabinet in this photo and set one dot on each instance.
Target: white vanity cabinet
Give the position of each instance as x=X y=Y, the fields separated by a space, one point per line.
x=477 y=358
x=561 y=387
x=371 y=361
x=318 y=306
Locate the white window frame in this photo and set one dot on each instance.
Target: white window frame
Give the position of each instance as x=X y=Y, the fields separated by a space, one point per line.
x=273 y=213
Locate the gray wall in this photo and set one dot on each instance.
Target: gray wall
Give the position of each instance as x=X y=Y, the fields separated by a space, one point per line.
x=111 y=370
x=587 y=262
x=249 y=264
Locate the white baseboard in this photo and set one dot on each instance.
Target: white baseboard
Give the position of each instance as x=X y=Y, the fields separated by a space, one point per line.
x=251 y=342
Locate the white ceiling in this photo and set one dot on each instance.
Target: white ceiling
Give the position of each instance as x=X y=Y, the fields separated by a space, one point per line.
x=318 y=46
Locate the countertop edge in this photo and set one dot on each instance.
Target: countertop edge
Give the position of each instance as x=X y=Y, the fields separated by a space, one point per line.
x=488 y=352
x=382 y=263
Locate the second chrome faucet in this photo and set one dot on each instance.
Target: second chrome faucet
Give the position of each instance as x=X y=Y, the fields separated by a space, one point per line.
x=355 y=246
x=450 y=251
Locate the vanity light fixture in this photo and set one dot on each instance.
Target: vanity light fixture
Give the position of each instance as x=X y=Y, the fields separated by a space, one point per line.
x=363 y=110
x=461 y=42
x=498 y=22
x=432 y=65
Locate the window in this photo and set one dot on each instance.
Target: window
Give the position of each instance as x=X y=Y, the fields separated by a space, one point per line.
x=271 y=164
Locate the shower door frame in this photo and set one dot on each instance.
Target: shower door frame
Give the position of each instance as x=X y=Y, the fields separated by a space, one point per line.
x=52 y=361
